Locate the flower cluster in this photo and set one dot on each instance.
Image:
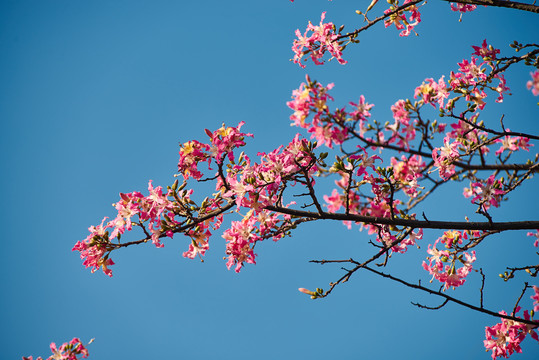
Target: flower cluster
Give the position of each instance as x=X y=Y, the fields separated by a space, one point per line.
x=462 y=7
x=67 y=351
x=406 y=24
x=312 y=97
x=467 y=135
x=432 y=92
x=504 y=338
x=152 y=209
x=200 y=236
x=226 y=139
x=322 y=39
x=444 y=266
x=407 y=171
x=256 y=186
x=471 y=78
x=223 y=141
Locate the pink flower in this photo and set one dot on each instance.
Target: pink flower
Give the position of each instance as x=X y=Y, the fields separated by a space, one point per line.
x=533 y=84
x=447 y=155
x=191 y=153
x=433 y=92
x=536 y=235
x=535 y=299
x=362 y=109
x=334 y=201
x=487 y=192
x=485 y=51
x=196 y=248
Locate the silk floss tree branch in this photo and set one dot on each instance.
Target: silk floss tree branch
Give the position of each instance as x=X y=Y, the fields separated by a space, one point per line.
x=382 y=171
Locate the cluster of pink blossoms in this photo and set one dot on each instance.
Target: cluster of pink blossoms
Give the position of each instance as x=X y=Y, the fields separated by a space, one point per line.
x=462 y=7
x=407 y=171
x=404 y=176
x=200 y=236
x=149 y=208
x=406 y=24
x=443 y=264
x=223 y=141
x=67 y=351
x=504 y=338
x=242 y=236
x=313 y=98
x=472 y=73
x=321 y=40
x=255 y=186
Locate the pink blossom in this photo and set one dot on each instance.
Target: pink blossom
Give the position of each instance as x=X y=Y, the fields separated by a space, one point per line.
x=433 y=92
x=191 y=153
x=471 y=71
x=535 y=298
x=362 y=109
x=196 y=248
x=536 y=235
x=487 y=192
x=447 y=155
x=403 y=130
x=533 y=84
x=485 y=51
x=464 y=131
x=334 y=201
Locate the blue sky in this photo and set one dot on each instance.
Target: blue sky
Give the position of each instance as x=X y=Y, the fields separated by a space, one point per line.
x=94 y=99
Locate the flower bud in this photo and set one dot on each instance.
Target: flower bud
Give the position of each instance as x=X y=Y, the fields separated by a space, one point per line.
x=308 y=292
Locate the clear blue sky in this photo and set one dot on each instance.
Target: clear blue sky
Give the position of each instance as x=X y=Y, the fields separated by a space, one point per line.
x=95 y=97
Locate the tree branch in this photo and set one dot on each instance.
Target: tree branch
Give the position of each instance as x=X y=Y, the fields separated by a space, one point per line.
x=500 y=3
x=516 y=225
x=452 y=299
